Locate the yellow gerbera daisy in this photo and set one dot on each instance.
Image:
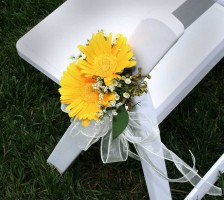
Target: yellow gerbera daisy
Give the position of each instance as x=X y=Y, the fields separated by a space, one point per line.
x=105 y=59
x=77 y=91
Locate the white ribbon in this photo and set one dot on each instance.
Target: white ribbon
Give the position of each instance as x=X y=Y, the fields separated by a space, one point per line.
x=140 y=136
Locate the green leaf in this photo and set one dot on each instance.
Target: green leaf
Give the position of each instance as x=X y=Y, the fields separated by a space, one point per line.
x=120 y=122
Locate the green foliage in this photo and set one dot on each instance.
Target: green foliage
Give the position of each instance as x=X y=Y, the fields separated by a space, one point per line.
x=31 y=124
x=137 y=86
x=120 y=122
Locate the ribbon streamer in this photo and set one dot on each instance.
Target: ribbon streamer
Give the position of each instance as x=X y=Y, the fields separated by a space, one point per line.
x=141 y=137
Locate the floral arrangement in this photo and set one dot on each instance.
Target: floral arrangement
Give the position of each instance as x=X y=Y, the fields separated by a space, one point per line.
x=101 y=81
x=97 y=92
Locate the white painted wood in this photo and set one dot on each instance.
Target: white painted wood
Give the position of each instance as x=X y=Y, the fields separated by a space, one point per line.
x=221 y=2
x=154 y=36
x=49 y=45
x=157 y=186
x=211 y=176
x=193 y=56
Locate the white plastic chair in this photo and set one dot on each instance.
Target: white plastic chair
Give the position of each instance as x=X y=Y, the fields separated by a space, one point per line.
x=49 y=45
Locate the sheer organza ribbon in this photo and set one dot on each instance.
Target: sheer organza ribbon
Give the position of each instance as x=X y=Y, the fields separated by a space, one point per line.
x=142 y=137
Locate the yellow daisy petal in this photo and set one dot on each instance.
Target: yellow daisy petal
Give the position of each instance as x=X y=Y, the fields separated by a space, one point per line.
x=77 y=91
x=104 y=59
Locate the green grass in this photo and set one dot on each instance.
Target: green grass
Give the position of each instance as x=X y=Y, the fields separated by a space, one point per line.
x=31 y=124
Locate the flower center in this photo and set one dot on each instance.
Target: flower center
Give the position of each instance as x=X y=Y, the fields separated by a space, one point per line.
x=89 y=94
x=105 y=65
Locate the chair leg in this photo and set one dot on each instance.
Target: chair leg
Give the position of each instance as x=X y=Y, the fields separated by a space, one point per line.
x=64 y=153
x=212 y=175
x=158 y=188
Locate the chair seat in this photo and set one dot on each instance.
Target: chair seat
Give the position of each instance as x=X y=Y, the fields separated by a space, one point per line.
x=194 y=55
x=49 y=45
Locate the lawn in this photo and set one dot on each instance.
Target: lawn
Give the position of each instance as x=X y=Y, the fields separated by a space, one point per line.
x=31 y=124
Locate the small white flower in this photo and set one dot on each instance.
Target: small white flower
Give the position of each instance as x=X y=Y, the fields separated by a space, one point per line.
x=105 y=89
x=99 y=103
x=101 y=96
x=114 y=112
x=114 y=82
x=117 y=97
x=111 y=88
x=127 y=81
x=123 y=78
x=98 y=78
x=96 y=86
x=126 y=95
x=118 y=105
x=112 y=103
x=100 y=113
x=100 y=83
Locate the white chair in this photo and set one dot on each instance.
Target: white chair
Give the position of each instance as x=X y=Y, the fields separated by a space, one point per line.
x=49 y=45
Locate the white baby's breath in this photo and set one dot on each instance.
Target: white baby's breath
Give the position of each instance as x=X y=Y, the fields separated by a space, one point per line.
x=101 y=96
x=100 y=113
x=114 y=82
x=98 y=78
x=126 y=95
x=123 y=78
x=99 y=104
x=127 y=81
x=114 y=112
x=105 y=89
x=117 y=97
x=96 y=86
x=118 y=105
x=111 y=88
x=112 y=103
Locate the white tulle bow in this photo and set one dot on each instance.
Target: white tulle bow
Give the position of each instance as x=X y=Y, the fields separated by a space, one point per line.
x=116 y=150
